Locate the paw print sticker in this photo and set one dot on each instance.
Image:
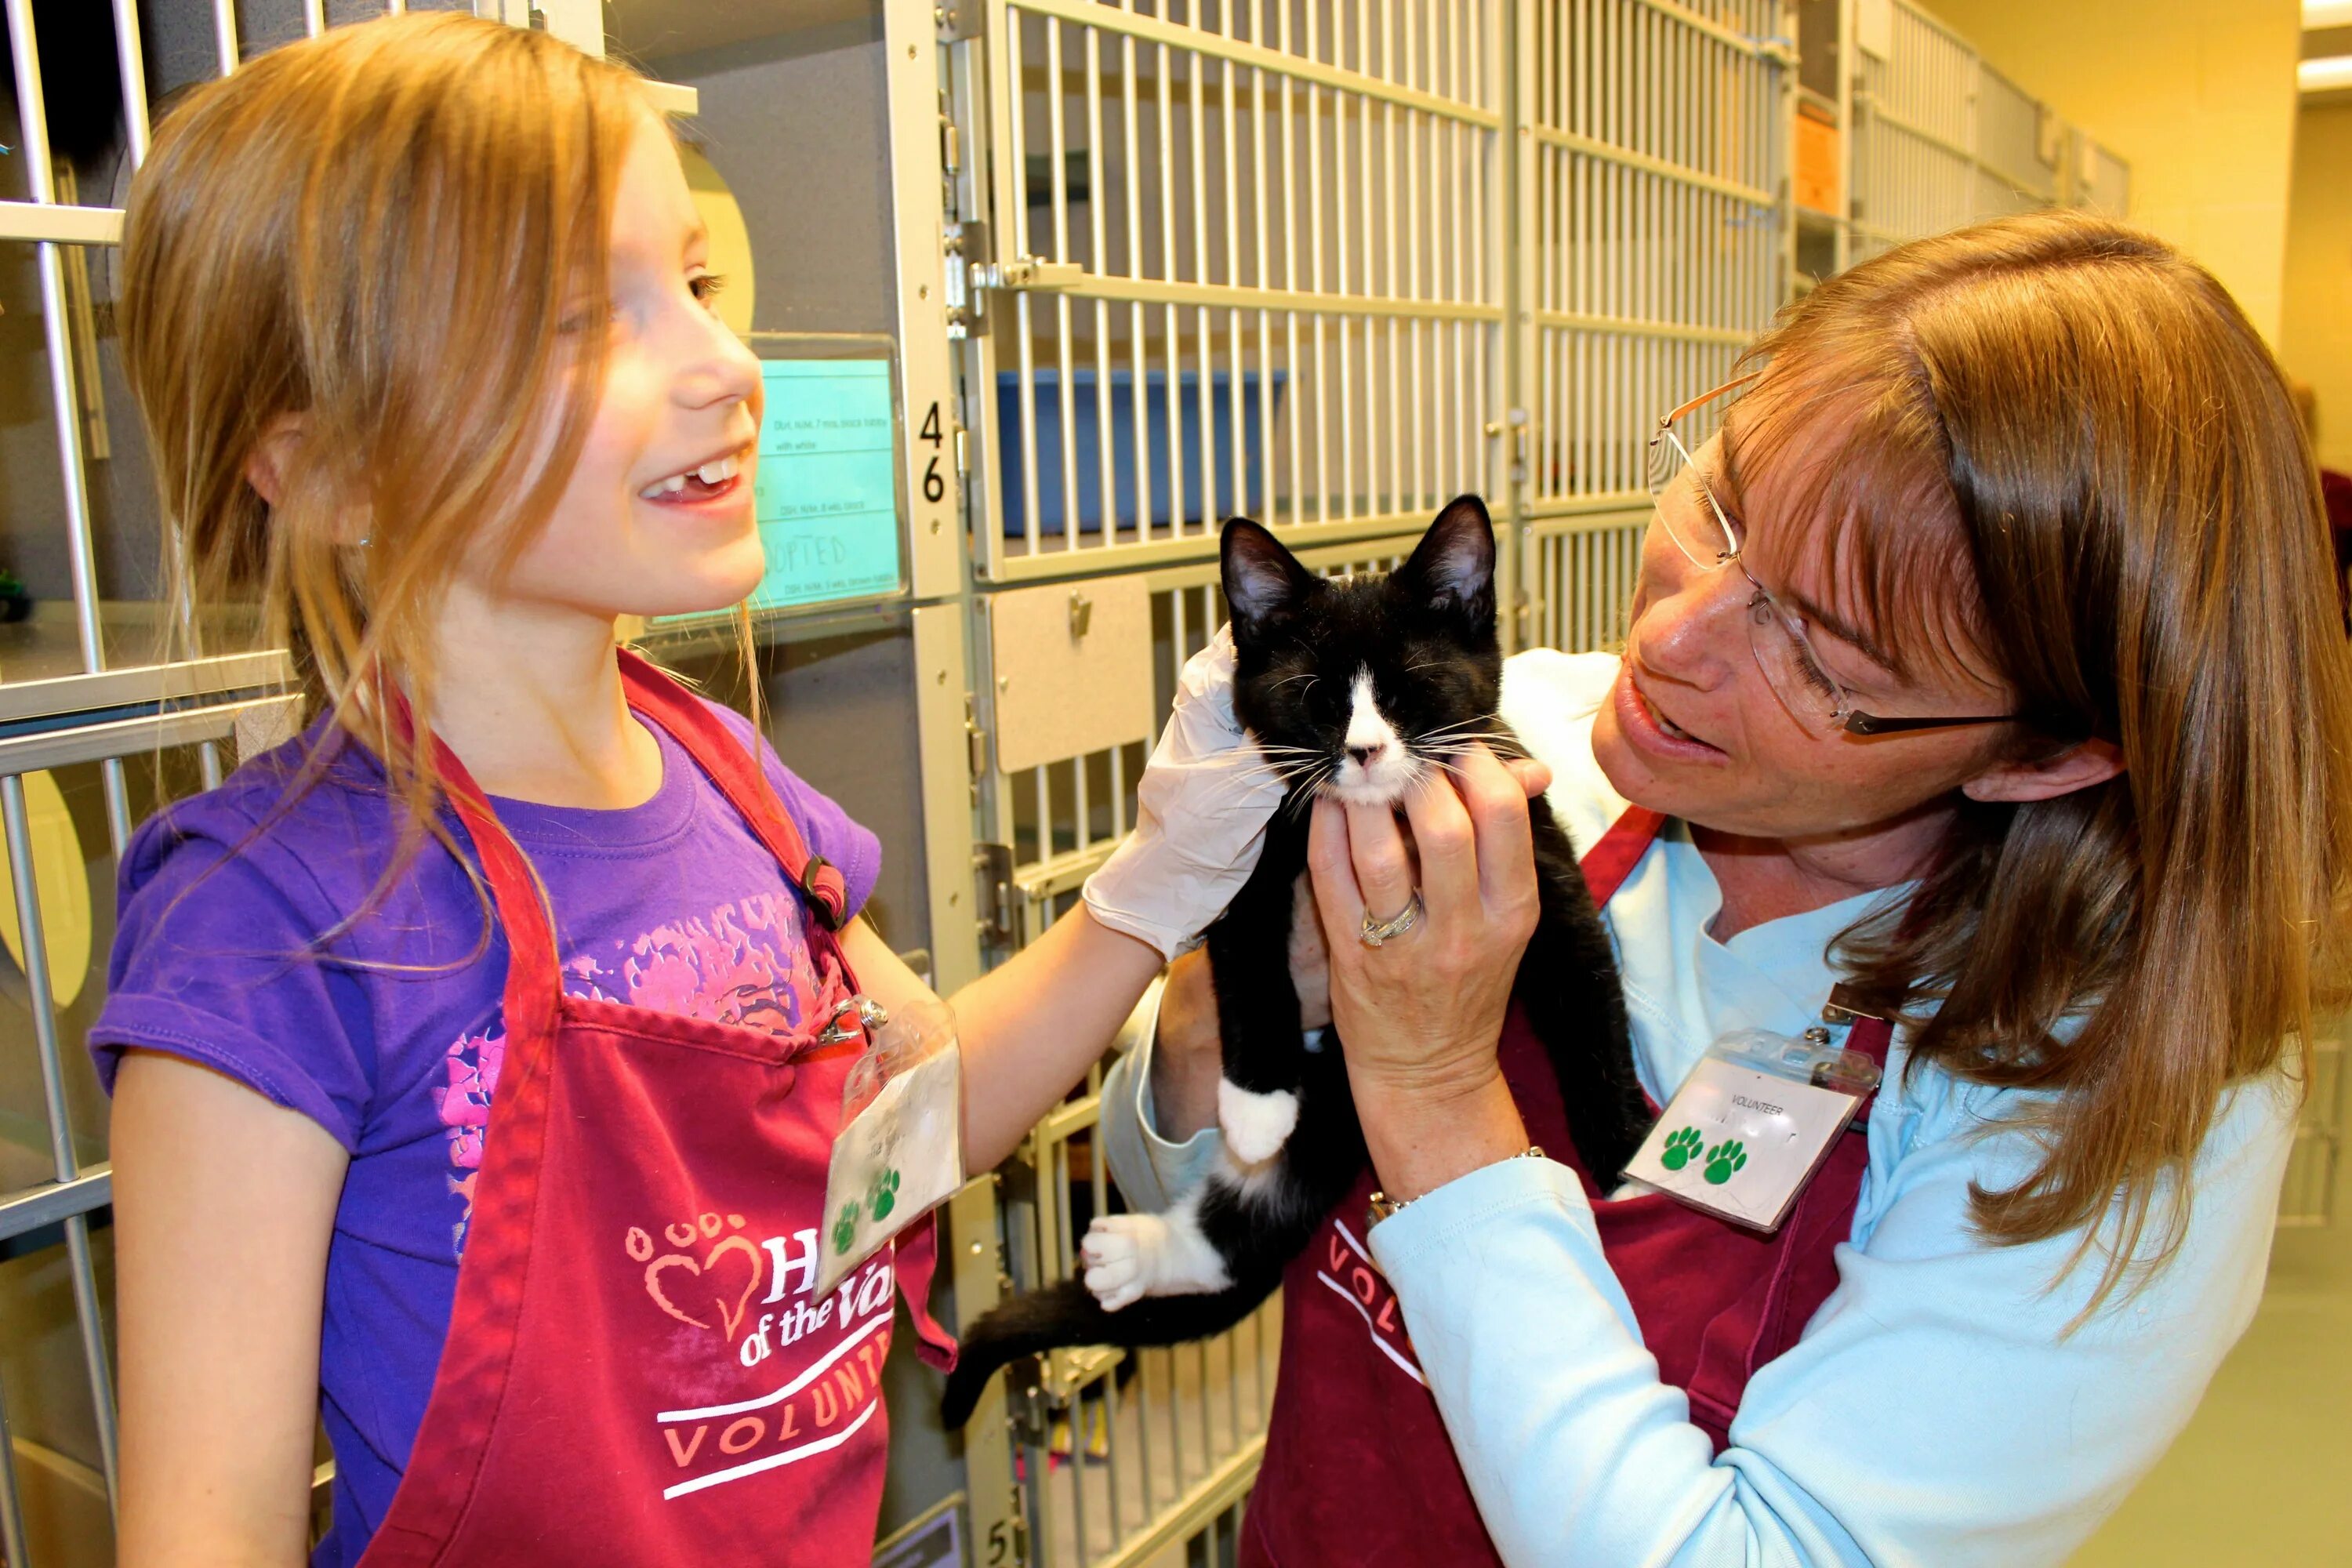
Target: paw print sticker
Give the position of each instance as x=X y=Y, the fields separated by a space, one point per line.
x=885 y=1196
x=1722 y=1160
x=1681 y=1149
x=844 y=1228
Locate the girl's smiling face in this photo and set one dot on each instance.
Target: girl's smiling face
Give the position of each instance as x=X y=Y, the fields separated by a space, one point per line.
x=656 y=518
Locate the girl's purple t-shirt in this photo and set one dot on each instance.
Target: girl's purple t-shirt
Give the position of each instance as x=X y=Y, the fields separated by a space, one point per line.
x=672 y=905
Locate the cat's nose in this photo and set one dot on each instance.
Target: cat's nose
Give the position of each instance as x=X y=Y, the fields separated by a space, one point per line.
x=1365 y=755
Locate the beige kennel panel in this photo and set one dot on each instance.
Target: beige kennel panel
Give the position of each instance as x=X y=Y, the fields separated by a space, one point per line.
x=1915 y=154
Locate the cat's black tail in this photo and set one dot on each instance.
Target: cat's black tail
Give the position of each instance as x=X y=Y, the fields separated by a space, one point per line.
x=1068 y=1314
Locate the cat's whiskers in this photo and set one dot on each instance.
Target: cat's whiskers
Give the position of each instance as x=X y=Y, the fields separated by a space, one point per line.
x=1475 y=721
x=1304 y=794
x=1503 y=745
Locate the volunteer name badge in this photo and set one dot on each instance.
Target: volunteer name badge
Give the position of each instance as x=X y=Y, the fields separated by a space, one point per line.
x=899 y=1154
x=1751 y=1124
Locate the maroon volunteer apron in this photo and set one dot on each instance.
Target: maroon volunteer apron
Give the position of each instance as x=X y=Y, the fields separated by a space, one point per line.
x=1358 y=1470
x=638 y=1369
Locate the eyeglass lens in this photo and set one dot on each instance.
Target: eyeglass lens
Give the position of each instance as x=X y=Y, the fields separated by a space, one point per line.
x=1692 y=521
x=1789 y=668
x=1690 y=517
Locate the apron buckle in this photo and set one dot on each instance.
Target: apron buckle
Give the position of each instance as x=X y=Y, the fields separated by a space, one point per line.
x=871 y=1015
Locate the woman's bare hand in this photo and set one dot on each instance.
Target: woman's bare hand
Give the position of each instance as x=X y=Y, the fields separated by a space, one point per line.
x=1310 y=962
x=1424 y=1011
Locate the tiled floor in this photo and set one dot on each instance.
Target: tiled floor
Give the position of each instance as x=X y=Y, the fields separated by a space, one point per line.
x=2264 y=1475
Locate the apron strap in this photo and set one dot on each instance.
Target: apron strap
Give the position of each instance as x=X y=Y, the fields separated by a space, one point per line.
x=1609 y=862
x=534 y=987
x=737 y=771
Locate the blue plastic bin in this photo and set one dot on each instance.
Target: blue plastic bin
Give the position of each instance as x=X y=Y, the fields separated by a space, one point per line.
x=1014 y=479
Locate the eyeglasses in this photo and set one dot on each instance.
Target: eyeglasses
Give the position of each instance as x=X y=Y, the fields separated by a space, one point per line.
x=1712 y=541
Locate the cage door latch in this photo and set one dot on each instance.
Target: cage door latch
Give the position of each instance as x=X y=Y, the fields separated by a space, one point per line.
x=1030 y=273
x=993 y=892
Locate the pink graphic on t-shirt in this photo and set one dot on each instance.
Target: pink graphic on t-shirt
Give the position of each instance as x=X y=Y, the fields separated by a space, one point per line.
x=741 y=964
x=473 y=1064
x=745 y=963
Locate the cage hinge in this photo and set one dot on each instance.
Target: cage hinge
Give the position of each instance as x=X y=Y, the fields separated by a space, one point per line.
x=992 y=893
x=967 y=246
x=958 y=20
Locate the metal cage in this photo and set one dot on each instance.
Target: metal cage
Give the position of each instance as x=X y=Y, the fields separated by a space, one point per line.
x=1229 y=258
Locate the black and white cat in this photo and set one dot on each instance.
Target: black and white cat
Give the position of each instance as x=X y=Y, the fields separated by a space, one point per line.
x=1361 y=690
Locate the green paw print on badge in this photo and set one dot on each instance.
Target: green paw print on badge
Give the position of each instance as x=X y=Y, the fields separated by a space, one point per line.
x=1681 y=1149
x=885 y=1196
x=844 y=1229
x=1724 y=1159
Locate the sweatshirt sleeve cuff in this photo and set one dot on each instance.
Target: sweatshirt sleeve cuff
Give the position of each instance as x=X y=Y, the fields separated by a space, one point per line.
x=1149 y=1169
x=1436 y=1223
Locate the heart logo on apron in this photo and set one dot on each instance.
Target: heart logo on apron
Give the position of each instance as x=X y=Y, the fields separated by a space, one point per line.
x=730 y=1318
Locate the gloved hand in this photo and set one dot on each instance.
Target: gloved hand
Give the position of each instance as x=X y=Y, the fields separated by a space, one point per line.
x=1200 y=813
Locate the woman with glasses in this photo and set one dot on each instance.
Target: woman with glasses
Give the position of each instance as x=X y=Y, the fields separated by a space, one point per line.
x=1981 y=728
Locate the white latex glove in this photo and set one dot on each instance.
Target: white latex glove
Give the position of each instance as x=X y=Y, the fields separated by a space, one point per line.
x=1199 y=819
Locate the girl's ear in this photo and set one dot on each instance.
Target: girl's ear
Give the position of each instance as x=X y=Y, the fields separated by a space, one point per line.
x=2092 y=761
x=272 y=457
x=269 y=467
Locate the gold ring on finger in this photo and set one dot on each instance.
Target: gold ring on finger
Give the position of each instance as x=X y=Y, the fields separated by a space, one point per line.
x=1376 y=932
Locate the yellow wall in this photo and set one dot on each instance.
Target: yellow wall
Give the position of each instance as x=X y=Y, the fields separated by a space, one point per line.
x=2198 y=95
x=2316 y=339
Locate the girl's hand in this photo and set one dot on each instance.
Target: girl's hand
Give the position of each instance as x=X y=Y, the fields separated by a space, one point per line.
x=1421 y=1017
x=1200 y=811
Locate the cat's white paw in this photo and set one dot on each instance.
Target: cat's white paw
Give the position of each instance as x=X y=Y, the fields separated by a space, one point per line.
x=1121 y=1252
x=1255 y=1125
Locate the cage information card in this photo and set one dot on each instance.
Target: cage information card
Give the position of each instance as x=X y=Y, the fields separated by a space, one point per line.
x=827 y=492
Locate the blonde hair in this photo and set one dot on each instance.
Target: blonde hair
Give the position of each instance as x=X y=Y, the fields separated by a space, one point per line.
x=390 y=233
x=2060 y=454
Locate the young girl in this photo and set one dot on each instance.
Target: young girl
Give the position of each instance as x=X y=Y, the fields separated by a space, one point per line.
x=477 y=1056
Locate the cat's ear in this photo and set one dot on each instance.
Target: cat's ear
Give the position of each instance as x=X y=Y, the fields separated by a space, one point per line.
x=1454 y=565
x=1263 y=581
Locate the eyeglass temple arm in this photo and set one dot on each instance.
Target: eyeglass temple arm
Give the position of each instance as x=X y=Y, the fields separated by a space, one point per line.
x=1704 y=398
x=1871 y=724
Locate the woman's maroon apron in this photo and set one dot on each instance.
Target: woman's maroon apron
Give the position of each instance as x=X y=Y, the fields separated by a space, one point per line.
x=1358 y=1470
x=638 y=1369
